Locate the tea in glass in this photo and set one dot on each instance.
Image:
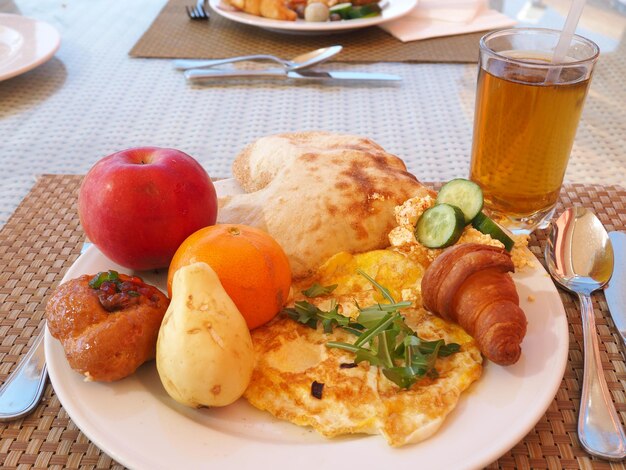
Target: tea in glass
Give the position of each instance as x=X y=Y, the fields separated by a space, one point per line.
x=527 y=112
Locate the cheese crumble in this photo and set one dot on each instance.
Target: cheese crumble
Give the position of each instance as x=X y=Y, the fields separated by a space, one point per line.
x=402 y=237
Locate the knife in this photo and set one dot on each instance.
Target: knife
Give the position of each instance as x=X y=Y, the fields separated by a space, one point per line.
x=196 y=74
x=615 y=291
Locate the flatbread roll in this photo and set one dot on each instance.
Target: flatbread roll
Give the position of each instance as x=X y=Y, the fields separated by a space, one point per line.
x=319 y=193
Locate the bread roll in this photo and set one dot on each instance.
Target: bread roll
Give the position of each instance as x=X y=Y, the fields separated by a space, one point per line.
x=319 y=193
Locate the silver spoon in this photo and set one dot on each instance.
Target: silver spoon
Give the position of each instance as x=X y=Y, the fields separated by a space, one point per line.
x=580 y=258
x=300 y=62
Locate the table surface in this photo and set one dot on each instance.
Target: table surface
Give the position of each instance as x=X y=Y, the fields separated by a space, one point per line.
x=92 y=99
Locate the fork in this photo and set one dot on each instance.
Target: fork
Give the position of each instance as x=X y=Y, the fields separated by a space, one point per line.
x=197 y=12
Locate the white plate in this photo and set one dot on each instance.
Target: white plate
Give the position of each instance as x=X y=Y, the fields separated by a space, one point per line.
x=137 y=424
x=394 y=9
x=25 y=43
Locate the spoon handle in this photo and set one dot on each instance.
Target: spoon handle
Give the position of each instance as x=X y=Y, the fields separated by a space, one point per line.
x=599 y=428
x=186 y=64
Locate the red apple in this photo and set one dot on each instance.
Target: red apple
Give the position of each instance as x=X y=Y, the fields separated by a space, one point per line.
x=138 y=205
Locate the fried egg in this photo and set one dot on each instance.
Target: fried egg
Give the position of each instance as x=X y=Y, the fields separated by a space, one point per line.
x=299 y=379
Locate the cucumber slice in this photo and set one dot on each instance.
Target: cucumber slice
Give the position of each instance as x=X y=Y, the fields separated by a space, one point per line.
x=342 y=9
x=440 y=226
x=464 y=194
x=365 y=11
x=484 y=224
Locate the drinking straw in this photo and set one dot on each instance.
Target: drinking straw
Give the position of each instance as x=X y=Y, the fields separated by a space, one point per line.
x=575 y=10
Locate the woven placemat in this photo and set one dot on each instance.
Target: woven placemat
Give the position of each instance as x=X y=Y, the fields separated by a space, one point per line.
x=174 y=35
x=43 y=238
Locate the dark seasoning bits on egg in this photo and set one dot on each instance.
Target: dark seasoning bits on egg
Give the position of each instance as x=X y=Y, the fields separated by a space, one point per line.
x=316 y=389
x=347 y=365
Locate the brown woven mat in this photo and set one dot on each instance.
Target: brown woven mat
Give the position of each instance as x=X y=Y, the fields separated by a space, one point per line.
x=43 y=238
x=174 y=35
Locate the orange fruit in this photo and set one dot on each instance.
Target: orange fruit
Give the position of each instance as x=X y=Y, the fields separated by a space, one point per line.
x=250 y=264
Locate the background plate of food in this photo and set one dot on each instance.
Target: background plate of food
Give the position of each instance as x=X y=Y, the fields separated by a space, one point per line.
x=330 y=16
x=139 y=425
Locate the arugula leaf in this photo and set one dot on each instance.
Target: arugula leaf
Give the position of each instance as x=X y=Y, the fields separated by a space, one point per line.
x=442 y=349
x=386 y=341
x=449 y=349
x=345 y=346
x=303 y=312
x=372 y=315
x=374 y=331
x=317 y=290
x=309 y=315
x=355 y=328
x=383 y=290
x=332 y=318
x=366 y=355
x=404 y=377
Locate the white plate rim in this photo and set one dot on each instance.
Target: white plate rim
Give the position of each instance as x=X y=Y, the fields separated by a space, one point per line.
x=395 y=10
x=201 y=446
x=47 y=36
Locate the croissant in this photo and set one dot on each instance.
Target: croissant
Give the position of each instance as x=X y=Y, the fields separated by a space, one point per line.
x=470 y=285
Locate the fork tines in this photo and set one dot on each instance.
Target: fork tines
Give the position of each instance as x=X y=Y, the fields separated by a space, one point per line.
x=197 y=12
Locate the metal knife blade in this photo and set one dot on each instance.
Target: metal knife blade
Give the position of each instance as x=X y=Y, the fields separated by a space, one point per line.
x=196 y=74
x=615 y=291
x=325 y=75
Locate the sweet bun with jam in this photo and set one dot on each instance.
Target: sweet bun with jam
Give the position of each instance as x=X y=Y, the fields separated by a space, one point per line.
x=108 y=323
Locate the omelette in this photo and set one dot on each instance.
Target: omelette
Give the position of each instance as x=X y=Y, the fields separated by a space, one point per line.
x=298 y=378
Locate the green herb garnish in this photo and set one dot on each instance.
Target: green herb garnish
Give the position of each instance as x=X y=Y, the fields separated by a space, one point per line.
x=383 y=337
x=317 y=290
x=309 y=315
x=102 y=277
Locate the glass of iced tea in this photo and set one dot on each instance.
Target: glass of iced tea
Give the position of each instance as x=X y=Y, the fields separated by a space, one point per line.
x=527 y=112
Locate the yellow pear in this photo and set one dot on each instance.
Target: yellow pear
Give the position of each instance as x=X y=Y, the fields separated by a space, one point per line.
x=204 y=350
